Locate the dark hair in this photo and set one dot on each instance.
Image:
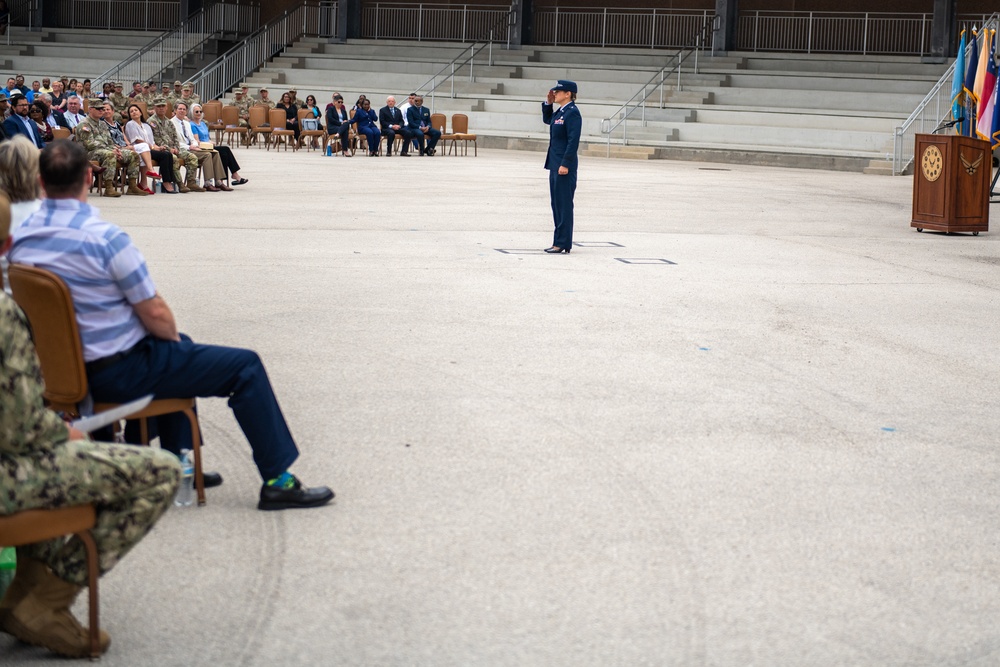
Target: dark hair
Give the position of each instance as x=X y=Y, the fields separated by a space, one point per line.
x=128 y=112
x=40 y=105
x=63 y=167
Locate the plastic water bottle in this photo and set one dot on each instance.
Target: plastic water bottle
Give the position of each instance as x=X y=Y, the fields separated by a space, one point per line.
x=185 y=492
x=329 y=151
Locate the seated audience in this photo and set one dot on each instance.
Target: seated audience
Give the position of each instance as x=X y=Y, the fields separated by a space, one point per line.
x=313 y=108
x=58 y=98
x=131 y=343
x=367 y=124
x=4 y=109
x=264 y=99
x=19 y=178
x=145 y=161
x=20 y=123
x=87 y=93
x=291 y=113
x=39 y=113
x=49 y=464
x=54 y=117
x=165 y=134
x=209 y=160
x=73 y=114
x=338 y=121
x=418 y=118
x=95 y=137
x=392 y=122
x=46 y=85
x=140 y=133
x=229 y=164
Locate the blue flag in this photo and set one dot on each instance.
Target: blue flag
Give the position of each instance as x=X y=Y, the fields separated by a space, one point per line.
x=971 y=99
x=957 y=88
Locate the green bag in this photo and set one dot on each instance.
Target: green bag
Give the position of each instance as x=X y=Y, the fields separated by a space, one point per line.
x=8 y=562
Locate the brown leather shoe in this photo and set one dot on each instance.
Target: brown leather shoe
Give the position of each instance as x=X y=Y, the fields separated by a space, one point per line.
x=224 y=187
x=211 y=188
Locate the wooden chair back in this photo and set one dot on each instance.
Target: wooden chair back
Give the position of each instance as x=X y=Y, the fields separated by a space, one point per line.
x=258 y=122
x=212 y=112
x=61 y=133
x=48 y=304
x=438 y=121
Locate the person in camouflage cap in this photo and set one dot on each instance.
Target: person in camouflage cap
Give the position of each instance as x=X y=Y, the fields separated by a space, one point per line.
x=44 y=463
x=94 y=135
x=242 y=102
x=119 y=101
x=165 y=134
x=188 y=97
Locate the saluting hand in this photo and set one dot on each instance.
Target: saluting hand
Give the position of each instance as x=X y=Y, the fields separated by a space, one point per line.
x=551 y=97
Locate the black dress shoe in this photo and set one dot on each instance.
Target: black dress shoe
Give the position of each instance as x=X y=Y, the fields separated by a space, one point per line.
x=555 y=251
x=276 y=498
x=211 y=479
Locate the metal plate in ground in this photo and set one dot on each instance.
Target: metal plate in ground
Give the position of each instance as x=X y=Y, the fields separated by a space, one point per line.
x=597 y=244
x=520 y=251
x=644 y=260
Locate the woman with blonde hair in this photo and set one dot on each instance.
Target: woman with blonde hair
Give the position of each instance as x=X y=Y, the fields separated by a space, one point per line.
x=19 y=182
x=19 y=178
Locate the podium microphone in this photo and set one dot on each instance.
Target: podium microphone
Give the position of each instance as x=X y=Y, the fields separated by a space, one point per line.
x=951 y=123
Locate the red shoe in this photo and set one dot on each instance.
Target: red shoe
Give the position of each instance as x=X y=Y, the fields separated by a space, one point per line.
x=147 y=190
x=153 y=175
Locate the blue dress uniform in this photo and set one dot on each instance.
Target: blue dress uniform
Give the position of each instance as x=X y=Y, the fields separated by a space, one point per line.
x=565 y=126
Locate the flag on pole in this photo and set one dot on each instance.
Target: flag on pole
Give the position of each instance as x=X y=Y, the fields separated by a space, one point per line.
x=987 y=115
x=984 y=80
x=957 y=92
x=995 y=139
x=971 y=100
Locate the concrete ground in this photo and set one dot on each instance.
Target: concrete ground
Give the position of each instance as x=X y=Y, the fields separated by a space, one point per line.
x=778 y=449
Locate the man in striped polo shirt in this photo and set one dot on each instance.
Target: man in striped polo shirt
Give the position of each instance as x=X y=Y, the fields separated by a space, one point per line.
x=130 y=339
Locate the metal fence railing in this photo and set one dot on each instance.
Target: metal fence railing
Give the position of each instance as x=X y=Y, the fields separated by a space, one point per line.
x=22 y=13
x=122 y=14
x=419 y=21
x=932 y=111
x=834 y=32
x=310 y=19
x=703 y=39
x=147 y=63
x=652 y=28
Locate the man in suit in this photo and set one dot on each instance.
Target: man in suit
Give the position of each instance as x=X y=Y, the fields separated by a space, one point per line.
x=390 y=119
x=54 y=117
x=418 y=119
x=19 y=123
x=565 y=126
x=73 y=115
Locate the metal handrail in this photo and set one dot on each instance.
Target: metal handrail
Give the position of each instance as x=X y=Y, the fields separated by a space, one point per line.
x=901 y=158
x=625 y=112
x=455 y=66
x=17 y=11
x=192 y=33
x=235 y=64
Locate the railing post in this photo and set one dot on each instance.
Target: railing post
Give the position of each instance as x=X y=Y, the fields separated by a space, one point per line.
x=756 y=26
x=604 y=28
x=472 y=64
x=465 y=20
x=377 y=12
x=923 y=32
x=652 y=31
x=555 y=32
x=809 y=39
x=491 y=49
x=420 y=21
x=662 y=79
x=864 y=39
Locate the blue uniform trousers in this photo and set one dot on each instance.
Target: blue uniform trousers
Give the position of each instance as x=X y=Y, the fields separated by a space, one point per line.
x=374 y=136
x=561 y=190
x=187 y=369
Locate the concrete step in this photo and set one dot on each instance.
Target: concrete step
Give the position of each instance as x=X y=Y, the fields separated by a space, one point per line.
x=879 y=168
x=619 y=151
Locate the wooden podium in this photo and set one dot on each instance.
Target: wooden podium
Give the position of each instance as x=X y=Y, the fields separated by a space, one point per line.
x=951 y=183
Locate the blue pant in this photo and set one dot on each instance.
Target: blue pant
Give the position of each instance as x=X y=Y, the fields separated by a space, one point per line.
x=186 y=369
x=561 y=190
x=428 y=140
x=374 y=136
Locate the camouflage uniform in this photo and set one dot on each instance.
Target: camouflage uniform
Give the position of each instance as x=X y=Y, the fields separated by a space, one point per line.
x=119 y=102
x=96 y=138
x=165 y=134
x=189 y=100
x=41 y=468
x=270 y=104
x=243 y=106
